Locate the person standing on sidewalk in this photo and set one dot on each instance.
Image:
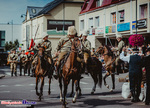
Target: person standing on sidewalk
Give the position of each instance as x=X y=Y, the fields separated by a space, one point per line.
x=146 y=63
x=135 y=72
x=13 y=58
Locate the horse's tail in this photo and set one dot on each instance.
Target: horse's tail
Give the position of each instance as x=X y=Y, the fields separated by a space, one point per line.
x=100 y=76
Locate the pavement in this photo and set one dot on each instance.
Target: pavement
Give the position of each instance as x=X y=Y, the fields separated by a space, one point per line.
x=23 y=88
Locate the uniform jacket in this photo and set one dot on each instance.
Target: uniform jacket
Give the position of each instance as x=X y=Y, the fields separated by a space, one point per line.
x=86 y=46
x=64 y=44
x=13 y=57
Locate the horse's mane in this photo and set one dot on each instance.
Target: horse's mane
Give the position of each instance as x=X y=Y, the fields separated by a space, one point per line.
x=110 y=53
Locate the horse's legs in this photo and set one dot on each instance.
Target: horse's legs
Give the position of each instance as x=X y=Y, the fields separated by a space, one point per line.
x=95 y=79
x=60 y=86
x=49 y=89
x=106 y=75
x=113 y=81
x=65 y=92
x=36 y=87
x=76 y=93
x=72 y=88
x=79 y=88
x=41 y=88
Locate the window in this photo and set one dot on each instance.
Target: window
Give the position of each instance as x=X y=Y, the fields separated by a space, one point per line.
x=143 y=11
x=2 y=38
x=99 y=3
x=90 y=22
x=113 y=18
x=82 y=25
x=121 y=16
x=33 y=11
x=97 y=21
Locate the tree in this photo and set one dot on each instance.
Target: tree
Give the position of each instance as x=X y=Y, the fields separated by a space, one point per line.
x=11 y=45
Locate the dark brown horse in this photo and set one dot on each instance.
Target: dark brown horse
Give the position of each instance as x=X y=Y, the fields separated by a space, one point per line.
x=109 y=59
x=70 y=70
x=41 y=71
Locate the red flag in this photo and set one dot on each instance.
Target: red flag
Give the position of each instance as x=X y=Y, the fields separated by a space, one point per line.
x=31 y=44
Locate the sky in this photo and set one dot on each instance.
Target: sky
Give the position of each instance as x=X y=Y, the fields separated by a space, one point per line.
x=11 y=10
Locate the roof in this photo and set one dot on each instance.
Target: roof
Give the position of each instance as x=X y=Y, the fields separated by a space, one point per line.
x=49 y=6
x=90 y=5
x=33 y=10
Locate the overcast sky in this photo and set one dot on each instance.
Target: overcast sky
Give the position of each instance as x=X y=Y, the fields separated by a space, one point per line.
x=12 y=9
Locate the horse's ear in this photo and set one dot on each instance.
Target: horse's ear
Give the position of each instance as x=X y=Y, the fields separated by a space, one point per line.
x=80 y=36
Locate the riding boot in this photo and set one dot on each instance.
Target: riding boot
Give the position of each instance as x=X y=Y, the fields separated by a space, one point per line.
x=56 y=72
x=133 y=96
x=11 y=73
x=118 y=69
x=86 y=70
x=15 y=73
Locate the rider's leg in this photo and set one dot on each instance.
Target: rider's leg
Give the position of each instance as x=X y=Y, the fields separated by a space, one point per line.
x=86 y=56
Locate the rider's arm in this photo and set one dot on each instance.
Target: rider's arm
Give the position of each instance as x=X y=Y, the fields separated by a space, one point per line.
x=124 y=58
x=49 y=48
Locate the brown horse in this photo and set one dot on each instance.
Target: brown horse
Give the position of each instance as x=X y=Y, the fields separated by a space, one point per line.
x=70 y=70
x=109 y=59
x=41 y=71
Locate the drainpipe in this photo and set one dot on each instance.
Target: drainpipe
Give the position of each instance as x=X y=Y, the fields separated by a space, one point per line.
x=131 y=31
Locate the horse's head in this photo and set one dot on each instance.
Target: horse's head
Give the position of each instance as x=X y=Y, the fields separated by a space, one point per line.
x=75 y=44
x=100 y=50
x=41 y=51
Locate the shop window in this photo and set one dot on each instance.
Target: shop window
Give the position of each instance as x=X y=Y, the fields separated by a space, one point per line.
x=90 y=22
x=82 y=25
x=121 y=16
x=113 y=18
x=97 y=21
x=143 y=11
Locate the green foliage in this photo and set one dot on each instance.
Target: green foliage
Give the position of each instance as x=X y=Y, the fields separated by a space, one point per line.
x=11 y=45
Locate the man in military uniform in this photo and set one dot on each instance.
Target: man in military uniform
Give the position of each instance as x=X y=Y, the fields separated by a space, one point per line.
x=64 y=46
x=86 y=47
x=121 y=44
x=47 y=45
x=23 y=58
x=28 y=62
x=13 y=58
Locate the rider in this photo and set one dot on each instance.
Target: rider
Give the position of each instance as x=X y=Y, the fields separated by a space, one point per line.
x=47 y=45
x=121 y=44
x=86 y=47
x=64 y=46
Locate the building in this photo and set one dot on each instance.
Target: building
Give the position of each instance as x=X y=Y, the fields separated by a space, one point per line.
x=9 y=32
x=104 y=19
x=54 y=18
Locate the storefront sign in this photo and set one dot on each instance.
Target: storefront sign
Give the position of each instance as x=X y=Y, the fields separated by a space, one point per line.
x=92 y=31
x=133 y=25
x=110 y=29
x=123 y=27
x=99 y=31
x=142 y=23
x=59 y=27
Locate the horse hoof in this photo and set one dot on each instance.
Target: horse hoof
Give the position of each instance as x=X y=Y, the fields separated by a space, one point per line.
x=61 y=100
x=111 y=90
x=80 y=94
x=107 y=86
x=92 y=93
x=49 y=92
x=74 y=101
x=63 y=106
x=38 y=94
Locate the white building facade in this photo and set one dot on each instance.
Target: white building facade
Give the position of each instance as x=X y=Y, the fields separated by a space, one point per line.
x=9 y=32
x=104 y=19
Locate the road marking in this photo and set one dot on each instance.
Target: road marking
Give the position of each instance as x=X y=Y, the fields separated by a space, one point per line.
x=17 y=85
x=4 y=91
x=3 y=85
x=108 y=96
x=32 y=84
x=43 y=90
x=83 y=83
x=87 y=77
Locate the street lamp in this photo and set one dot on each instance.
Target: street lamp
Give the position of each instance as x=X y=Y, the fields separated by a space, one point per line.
x=11 y=22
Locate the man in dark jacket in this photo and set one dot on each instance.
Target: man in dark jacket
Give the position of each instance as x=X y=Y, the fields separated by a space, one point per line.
x=135 y=73
x=147 y=67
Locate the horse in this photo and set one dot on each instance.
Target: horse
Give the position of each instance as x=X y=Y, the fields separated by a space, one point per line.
x=70 y=70
x=109 y=59
x=41 y=71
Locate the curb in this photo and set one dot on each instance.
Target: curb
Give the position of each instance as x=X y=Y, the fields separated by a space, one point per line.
x=1 y=76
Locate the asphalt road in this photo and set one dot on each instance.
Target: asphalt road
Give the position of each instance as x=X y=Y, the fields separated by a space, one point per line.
x=23 y=88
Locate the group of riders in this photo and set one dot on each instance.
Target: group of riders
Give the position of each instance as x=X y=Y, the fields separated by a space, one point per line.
x=28 y=60
x=61 y=53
